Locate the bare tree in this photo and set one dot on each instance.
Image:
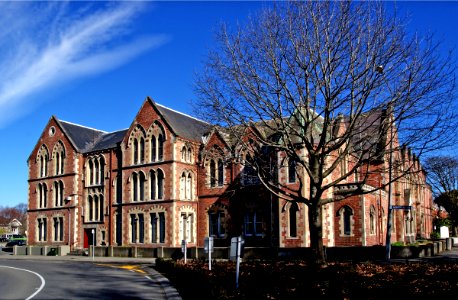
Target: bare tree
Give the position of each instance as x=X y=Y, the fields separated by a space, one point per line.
x=321 y=82
x=443 y=177
x=442 y=173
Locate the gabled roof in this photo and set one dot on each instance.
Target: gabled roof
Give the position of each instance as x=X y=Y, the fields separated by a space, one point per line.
x=87 y=139
x=83 y=138
x=183 y=125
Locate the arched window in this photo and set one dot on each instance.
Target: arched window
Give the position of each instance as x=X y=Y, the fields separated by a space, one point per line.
x=42 y=160
x=189 y=155
x=183 y=153
x=90 y=204
x=160 y=150
x=58 y=158
x=189 y=187
x=134 y=187
x=135 y=152
x=372 y=220
x=346 y=217
x=152 y=185
x=153 y=149
x=42 y=193
x=58 y=193
x=96 y=172
x=142 y=187
x=212 y=173
x=157 y=184
x=91 y=172
x=293 y=215
x=160 y=184
x=142 y=151
x=220 y=172
x=183 y=186
x=292 y=171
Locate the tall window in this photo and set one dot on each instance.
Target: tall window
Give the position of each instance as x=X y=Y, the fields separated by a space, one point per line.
x=95 y=207
x=160 y=147
x=153 y=149
x=58 y=229
x=58 y=158
x=142 y=151
x=216 y=221
x=160 y=184
x=292 y=171
x=157 y=227
x=293 y=215
x=138 y=153
x=186 y=227
x=212 y=173
x=216 y=172
x=220 y=172
x=58 y=193
x=372 y=220
x=42 y=229
x=42 y=195
x=42 y=160
x=138 y=186
x=253 y=224
x=346 y=216
x=95 y=170
x=186 y=154
x=156 y=179
x=186 y=186
x=137 y=228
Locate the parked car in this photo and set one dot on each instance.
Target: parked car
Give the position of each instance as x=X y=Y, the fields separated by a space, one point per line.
x=9 y=246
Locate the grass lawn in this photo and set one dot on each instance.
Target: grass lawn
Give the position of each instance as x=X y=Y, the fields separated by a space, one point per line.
x=297 y=280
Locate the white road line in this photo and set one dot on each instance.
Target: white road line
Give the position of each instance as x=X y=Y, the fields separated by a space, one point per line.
x=38 y=275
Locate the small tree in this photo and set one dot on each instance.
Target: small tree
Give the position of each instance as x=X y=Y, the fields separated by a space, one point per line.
x=323 y=82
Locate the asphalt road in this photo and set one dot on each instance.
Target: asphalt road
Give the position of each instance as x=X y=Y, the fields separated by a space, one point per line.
x=20 y=279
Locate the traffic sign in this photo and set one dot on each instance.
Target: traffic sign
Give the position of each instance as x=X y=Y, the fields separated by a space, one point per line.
x=401 y=207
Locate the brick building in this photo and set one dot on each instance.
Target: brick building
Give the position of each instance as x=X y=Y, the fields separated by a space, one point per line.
x=170 y=177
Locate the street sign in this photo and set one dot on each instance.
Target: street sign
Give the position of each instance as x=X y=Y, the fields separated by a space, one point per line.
x=401 y=207
x=208 y=244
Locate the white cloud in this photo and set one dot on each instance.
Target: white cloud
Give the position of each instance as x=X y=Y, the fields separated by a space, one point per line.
x=47 y=43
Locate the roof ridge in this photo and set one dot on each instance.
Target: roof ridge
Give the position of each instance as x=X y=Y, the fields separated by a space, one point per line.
x=181 y=113
x=87 y=127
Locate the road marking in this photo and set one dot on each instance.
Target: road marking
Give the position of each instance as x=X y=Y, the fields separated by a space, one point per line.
x=35 y=273
x=131 y=268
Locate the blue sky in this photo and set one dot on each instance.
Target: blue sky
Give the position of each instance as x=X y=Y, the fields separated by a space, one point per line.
x=95 y=63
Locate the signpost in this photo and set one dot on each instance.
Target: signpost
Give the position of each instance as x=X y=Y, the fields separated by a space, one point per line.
x=93 y=243
x=184 y=249
x=236 y=252
x=208 y=248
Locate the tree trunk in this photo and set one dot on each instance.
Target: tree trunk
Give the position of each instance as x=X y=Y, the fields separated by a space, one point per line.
x=316 y=235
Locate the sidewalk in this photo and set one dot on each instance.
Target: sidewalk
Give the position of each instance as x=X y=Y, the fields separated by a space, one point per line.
x=169 y=291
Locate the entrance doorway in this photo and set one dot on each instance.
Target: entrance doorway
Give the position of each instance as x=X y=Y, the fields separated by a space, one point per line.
x=89 y=238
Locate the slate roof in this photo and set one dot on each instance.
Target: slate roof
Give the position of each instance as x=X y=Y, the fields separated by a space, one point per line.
x=109 y=140
x=83 y=138
x=183 y=125
x=87 y=139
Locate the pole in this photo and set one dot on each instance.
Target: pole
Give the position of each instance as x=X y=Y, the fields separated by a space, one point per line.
x=93 y=243
x=237 y=265
x=69 y=242
x=390 y=178
x=210 y=248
